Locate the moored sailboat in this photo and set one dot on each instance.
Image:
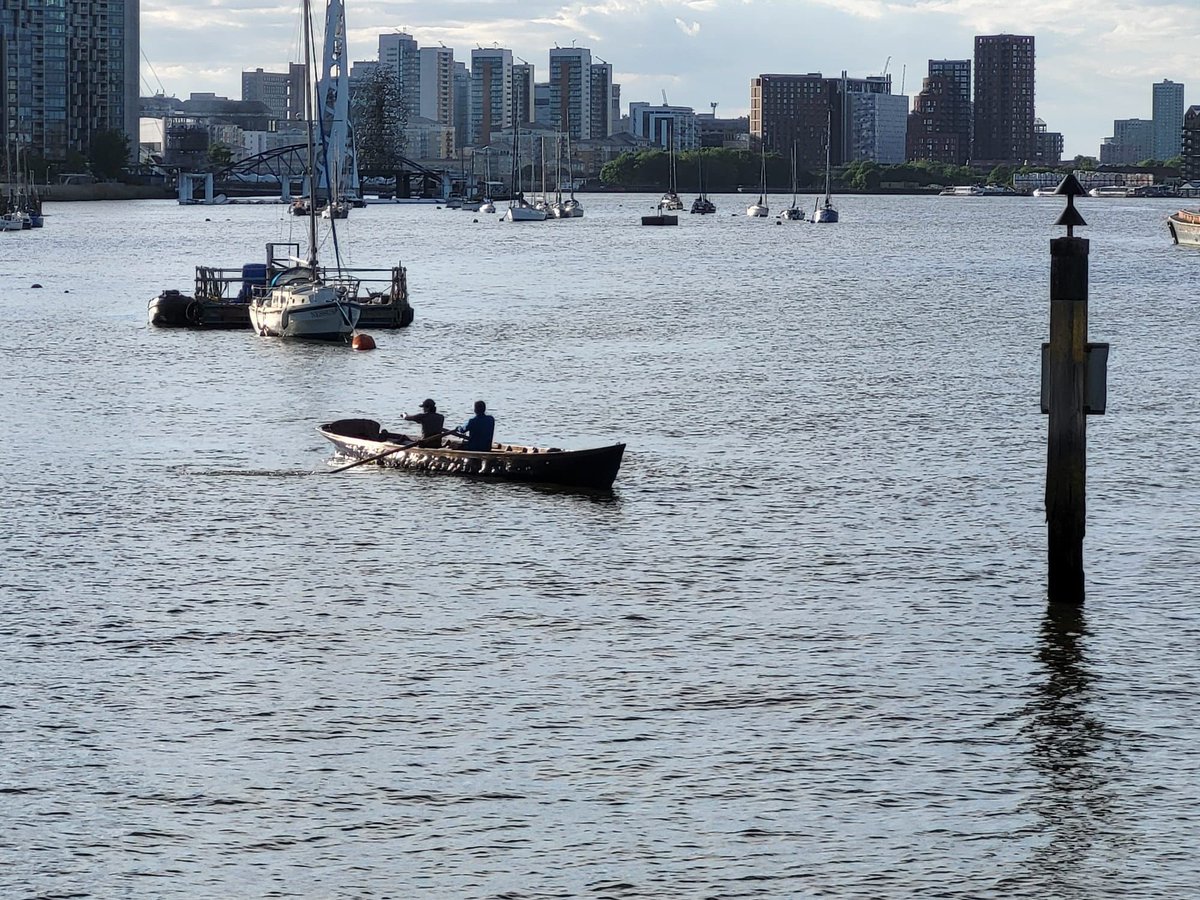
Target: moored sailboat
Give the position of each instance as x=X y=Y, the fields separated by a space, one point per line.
x=300 y=301
x=670 y=200
x=520 y=209
x=702 y=205
x=793 y=213
x=827 y=213
x=760 y=209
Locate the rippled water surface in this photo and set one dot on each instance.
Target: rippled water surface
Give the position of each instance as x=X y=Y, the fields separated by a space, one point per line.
x=802 y=651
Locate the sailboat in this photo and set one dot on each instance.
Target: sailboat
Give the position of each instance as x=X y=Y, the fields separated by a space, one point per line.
x=557 y=209
x=702 y=205
x=302 y=302
x=520 y=209
x=486 y=205
x=573 y=207
x=760 y=210
x=826 y=213
x=793 y=213
x=670 y=200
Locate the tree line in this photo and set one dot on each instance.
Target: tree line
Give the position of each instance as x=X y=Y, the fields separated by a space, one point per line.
x=724 y=170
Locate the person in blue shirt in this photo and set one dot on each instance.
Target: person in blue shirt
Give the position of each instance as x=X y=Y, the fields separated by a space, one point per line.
x=479 y=428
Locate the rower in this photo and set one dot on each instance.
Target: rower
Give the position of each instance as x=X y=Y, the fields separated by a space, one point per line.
x=431 y=422
x=479 y=429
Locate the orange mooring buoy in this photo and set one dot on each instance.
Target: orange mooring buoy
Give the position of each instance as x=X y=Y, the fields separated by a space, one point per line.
x=362 y=341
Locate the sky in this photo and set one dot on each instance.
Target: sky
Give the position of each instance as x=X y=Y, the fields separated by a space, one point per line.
x=1096 y=59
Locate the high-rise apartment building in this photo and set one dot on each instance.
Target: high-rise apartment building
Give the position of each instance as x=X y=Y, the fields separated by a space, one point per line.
x=956 y=101
x=462 y=105
x=399 y=52
x=1004 y=99
x=665 y=126
x=522 y=92
x=1168 y=119
x=283 y=92
x=571 y=91
x=932 y=132
x=1132 y=141
x=71 y=70
x=602 y=108
x=491 y=93
x=878 y=126
x=1190 y=151
x=800 y=110
x=437 y=84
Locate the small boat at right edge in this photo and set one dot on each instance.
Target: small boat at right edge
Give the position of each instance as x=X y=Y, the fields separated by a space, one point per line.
x=1184 y=226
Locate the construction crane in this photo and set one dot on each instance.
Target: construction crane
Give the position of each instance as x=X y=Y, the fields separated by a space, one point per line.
x=664 y=93
x=886 y=63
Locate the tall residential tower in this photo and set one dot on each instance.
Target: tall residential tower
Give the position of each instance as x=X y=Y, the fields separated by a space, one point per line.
x=1168 y=119
x=71 y=71
x=1004 y=108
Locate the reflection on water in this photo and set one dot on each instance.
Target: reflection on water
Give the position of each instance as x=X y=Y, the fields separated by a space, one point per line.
x=1071 y=751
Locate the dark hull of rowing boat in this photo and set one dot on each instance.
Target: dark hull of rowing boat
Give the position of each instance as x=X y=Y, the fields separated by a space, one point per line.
x=594 y=469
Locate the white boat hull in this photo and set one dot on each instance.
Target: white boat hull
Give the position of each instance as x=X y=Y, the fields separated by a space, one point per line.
x=487 y=206
x=825 y=215
x=304 y=312
x=524 y=214
x=757 y=211
x=1185 y=228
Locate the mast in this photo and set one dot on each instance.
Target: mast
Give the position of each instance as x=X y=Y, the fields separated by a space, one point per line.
x=308 y=115
x=828 y=141
x=793 y=173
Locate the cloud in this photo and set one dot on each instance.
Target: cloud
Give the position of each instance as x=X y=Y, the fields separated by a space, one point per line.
x=690 y=29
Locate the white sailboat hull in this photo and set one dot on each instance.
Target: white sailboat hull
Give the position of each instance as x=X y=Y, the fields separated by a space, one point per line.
x=825 y=215
x=314 y=312
x=524 y=214
x=758 y=211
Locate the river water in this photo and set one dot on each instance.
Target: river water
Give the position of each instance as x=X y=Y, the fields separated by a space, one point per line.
x=802 y=651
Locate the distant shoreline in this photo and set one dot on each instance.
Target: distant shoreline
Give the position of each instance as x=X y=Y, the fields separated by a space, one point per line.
x=66 y=193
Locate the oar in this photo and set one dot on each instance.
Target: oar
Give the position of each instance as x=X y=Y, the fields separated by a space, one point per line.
x=408 y=446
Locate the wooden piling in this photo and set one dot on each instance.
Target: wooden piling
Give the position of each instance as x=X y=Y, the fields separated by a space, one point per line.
x=1066 y=459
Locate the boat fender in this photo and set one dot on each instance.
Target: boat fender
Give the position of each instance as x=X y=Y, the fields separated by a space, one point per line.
x=194 y=312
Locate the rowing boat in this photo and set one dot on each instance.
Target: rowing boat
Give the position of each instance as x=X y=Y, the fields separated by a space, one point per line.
x=595 y=468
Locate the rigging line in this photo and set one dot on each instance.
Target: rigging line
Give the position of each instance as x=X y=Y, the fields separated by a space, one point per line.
x=150 y=65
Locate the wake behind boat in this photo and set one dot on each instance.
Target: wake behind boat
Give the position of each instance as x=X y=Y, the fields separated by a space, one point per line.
x=594 y=469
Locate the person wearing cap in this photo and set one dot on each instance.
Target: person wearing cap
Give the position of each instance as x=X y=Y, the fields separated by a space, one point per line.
x=479 y=428
x=430 y=419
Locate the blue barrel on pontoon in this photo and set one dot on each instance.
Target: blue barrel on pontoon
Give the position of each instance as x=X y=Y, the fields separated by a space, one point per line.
x=253 y=275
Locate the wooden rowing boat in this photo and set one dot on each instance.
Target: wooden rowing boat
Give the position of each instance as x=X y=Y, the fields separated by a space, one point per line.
x=594 y=468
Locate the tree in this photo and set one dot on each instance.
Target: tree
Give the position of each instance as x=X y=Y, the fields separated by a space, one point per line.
x=108 y=153
x=220 y=155
x=379 y=118
x=1000 y=175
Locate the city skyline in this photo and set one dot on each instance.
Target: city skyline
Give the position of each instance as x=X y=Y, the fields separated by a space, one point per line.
x=1096 y=61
